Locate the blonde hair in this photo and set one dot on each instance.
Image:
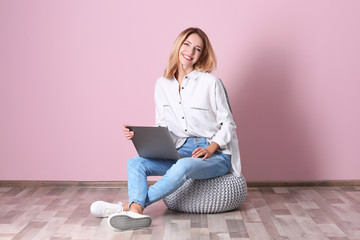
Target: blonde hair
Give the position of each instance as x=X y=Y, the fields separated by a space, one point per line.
x=206 y=62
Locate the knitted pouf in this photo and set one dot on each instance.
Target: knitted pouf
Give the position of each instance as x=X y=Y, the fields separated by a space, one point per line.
x=212 y=195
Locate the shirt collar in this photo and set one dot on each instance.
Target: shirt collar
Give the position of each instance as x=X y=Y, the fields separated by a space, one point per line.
x=193 y=75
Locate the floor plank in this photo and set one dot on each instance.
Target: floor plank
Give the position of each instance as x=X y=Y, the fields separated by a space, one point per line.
x=281 y=213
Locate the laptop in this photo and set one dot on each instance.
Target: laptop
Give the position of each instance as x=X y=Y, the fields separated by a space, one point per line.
x=154 y=142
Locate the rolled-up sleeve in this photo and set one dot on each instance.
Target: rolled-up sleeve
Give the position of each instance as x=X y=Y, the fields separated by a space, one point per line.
x=227 y=126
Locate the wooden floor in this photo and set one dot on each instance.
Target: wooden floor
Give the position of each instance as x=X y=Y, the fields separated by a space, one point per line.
x=314 y=213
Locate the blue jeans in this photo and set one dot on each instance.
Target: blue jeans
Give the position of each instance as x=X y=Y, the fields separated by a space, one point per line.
x=174 y=172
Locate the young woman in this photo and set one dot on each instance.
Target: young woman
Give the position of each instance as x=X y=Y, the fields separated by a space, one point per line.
x=192 y=103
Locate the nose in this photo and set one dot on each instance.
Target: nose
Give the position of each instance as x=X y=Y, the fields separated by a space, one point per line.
x=193 y=51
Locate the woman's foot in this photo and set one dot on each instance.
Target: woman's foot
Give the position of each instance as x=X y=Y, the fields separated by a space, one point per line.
x=136 y=208
x=129 y=221
x=105 y=209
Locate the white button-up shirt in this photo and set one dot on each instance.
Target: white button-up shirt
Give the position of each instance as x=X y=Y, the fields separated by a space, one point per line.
x=199 y=109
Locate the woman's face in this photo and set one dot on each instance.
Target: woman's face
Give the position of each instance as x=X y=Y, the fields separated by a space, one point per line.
x=191 y=50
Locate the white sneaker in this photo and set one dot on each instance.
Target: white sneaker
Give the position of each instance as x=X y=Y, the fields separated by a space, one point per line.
x=129 y=221
x=105 y=209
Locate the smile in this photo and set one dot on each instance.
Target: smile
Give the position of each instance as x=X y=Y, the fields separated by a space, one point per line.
x=187 y=57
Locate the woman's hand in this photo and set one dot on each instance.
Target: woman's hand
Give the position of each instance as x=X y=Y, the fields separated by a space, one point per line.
x=201 y=152
x=128 y=134
x=205 y=152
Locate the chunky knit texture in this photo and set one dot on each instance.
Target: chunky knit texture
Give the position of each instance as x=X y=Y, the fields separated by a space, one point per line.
x=213 y=195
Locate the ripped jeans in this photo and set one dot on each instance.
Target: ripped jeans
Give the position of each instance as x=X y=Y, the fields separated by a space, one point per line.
x=174 y=172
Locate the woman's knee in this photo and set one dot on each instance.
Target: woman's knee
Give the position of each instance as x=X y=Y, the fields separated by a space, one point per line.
x=134 y=162
x=183 y=166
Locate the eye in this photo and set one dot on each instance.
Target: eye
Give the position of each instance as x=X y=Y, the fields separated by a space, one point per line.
x=186 y=44
x=198 y=49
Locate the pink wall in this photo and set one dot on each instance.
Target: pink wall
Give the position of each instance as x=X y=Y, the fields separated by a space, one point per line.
x=71 y=72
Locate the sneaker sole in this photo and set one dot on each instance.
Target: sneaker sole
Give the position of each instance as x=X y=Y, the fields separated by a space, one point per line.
x=123 y=222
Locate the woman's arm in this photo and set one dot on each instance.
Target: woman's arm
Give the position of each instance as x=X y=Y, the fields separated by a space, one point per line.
x=224 y=117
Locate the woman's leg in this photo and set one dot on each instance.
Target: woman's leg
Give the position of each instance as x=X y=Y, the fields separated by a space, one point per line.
x=138 y=169
x=217 y=165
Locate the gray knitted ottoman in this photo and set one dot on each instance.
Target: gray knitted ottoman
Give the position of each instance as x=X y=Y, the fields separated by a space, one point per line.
x=213 y=195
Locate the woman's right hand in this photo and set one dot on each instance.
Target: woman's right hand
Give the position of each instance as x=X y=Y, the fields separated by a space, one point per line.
x=128 y=134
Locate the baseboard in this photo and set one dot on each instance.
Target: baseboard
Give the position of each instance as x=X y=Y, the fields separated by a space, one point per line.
x=322 y=183
x=95 y=184
x=123 y=184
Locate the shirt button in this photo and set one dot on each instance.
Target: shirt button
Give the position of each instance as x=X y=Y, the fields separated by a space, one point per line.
x=185 y=130
x=182 y=87
x=183 y=118
x=179 y=102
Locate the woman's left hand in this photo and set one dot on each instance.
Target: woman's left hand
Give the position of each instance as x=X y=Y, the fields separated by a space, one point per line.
x=205 y=152
x=201 y=152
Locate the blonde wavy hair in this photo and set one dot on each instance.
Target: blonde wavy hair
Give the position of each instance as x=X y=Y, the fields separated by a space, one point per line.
x=206 y=62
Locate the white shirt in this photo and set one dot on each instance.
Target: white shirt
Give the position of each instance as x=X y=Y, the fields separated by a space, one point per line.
x=200 y=109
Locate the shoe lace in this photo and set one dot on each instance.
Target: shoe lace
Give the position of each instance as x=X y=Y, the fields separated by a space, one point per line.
x=111 y=208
